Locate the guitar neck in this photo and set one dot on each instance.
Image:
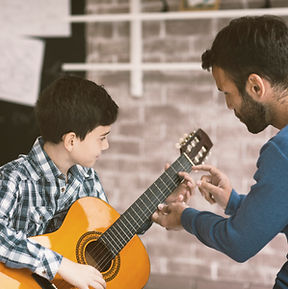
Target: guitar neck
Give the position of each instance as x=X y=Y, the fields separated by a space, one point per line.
x=128 y=224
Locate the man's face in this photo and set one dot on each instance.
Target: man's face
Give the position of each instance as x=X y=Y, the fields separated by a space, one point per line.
x=249 y=111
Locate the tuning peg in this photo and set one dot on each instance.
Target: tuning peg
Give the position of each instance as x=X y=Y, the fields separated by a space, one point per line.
x=181 y=140
x=177 y=145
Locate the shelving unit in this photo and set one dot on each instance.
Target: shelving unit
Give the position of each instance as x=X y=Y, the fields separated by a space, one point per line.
x=136 y=18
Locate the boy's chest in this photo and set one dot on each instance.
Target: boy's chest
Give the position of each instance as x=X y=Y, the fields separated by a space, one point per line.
x=38 y=204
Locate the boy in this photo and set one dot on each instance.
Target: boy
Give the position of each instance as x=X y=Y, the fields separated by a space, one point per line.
x=74 y=117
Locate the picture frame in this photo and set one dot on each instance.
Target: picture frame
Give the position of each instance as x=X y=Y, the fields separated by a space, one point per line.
x=199 y=4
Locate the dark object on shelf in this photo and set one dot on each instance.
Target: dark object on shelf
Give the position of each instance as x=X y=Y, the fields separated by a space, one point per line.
x=165 y=6
x=267 y=4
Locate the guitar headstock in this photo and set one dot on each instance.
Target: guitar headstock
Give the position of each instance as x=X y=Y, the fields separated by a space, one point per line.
x=196 y=146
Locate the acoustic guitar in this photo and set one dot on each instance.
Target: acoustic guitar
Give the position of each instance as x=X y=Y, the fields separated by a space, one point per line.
x=94 y=233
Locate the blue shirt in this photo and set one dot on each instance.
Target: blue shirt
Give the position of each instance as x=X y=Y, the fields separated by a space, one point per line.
x=34 y=199
x=255 y=218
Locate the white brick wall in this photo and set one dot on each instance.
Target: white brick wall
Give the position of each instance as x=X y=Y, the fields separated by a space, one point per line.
x=143 y=139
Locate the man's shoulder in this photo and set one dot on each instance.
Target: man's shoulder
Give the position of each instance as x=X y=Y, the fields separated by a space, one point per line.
x=281 y=139
x=278 y=143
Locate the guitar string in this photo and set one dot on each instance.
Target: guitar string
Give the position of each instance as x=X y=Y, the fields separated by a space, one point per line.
x=106 y=259
x=167 y=187
x=162 y=179
x=145 y=212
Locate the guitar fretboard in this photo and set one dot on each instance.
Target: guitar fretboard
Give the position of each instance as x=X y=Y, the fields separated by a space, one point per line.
x=128 y=224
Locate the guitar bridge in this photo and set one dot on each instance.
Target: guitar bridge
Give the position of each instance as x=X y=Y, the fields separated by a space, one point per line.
x=43 y=282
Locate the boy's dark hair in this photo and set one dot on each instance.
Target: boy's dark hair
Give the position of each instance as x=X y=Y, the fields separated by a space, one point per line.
x=73 y=104
x=256 y=44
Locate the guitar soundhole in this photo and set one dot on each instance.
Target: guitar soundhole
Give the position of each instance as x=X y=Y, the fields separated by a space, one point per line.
x=98 y=255
x=93 y=251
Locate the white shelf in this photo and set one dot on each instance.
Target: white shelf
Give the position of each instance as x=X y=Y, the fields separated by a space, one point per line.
x=136 y=66
x=181 y=15
x=152 y=66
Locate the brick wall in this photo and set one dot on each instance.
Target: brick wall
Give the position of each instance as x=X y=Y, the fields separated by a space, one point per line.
x=143 y=139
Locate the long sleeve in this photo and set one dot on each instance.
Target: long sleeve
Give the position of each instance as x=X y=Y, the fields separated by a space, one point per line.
x=234 y=203
x=260 y=216
x=34 y=199
x=16 y=250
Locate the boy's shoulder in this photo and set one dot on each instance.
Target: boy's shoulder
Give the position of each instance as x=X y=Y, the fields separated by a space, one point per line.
x=19 y=169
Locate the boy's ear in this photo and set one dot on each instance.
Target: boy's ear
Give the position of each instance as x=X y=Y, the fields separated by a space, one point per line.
x=69 y=140
x=255 y=86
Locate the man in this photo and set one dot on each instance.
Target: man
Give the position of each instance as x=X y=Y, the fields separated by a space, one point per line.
x=249 y=61
x=75 y=118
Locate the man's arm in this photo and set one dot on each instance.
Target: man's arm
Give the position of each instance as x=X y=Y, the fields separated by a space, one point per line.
x=260 y=217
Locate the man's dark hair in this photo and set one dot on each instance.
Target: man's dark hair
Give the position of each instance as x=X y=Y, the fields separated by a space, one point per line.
x=257 y=44
x=73 y=104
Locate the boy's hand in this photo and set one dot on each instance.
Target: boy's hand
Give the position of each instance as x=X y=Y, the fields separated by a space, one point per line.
x=81 y=276
x=184 y=191
x=215 y=187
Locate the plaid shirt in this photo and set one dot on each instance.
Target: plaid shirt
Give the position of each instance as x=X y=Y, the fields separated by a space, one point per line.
x=34 y=199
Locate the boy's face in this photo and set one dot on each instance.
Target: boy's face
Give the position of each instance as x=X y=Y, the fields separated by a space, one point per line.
x=87 y=151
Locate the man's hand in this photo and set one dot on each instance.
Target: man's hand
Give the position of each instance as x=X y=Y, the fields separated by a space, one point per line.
x=215 y=187
x=81 y=276
x=169 y=216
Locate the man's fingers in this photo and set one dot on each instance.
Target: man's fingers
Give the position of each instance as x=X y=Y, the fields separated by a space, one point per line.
x=206 y=178
x=208 y=191
x=163 y=209
x=207 y=186
x=207 y=168
x=157 y=217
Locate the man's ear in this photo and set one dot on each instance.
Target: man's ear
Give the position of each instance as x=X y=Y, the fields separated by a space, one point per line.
x=255 y=86
x=69 y=140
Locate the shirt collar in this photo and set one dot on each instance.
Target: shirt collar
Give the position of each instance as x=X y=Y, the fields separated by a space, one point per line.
x=80 y=172
x=46 y=168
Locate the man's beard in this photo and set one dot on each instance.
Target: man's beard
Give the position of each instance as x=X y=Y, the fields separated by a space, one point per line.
x=253 y=114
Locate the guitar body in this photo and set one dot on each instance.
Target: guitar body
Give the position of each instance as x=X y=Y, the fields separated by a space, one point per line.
x=84 y=223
